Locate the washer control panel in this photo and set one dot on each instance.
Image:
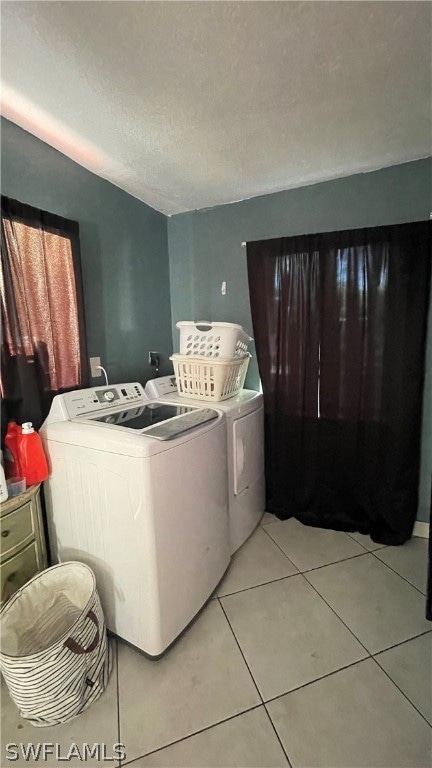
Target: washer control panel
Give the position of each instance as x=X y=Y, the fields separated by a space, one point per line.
x=84 y=401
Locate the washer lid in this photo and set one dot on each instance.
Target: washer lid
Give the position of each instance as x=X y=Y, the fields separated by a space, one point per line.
x=118 y=439
x=141 y=416
x=247 y=401
x=121 y=419
x=162 y=421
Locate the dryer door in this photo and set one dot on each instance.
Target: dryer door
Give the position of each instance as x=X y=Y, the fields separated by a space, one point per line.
x=248 y=450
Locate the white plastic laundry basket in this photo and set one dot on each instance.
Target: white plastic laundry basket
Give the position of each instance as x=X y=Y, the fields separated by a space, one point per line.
x=208 y=379
x=55 y=655
x=205 y=339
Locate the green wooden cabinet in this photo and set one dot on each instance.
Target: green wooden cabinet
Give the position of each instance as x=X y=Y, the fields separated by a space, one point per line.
x=22 y=541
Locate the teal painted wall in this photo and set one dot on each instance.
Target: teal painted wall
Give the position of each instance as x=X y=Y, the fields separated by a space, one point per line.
x=205 y=249
x=124 y=253
x=124 y=250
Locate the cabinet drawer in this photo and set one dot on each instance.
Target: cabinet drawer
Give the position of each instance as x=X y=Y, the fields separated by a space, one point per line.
x=17 y=570
x=16 y=530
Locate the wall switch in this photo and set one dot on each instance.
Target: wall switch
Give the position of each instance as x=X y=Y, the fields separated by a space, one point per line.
x=154 y=359
x=94 y=371
x=223 y=288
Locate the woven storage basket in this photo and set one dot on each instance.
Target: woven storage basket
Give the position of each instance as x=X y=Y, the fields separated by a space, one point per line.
x=55 y=655
x=215 y=340
x=209 y=379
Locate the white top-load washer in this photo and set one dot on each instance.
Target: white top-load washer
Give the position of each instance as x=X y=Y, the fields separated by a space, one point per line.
x=138 y=491
x=245 y=452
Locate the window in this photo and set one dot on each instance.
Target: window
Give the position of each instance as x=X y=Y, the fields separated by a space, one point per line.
x=43 y=343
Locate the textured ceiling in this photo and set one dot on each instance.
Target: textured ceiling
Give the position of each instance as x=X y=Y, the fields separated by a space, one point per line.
x=191 y=104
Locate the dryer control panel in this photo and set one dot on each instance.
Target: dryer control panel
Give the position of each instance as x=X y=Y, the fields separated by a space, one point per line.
x=165 y=385
x=84 y=401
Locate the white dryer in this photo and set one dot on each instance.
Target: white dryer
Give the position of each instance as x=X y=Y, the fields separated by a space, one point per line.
x=245 y=453
x=138 y=491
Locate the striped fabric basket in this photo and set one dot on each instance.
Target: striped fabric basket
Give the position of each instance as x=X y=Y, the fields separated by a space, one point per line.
x=55 y=654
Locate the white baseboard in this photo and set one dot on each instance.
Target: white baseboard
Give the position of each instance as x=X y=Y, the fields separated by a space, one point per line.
x=421 y=529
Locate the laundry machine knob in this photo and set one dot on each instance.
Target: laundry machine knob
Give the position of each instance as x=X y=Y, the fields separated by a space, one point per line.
x=109 y=396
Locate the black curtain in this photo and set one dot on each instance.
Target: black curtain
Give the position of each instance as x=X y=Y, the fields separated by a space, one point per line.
x=43 y=348
x=339 y=323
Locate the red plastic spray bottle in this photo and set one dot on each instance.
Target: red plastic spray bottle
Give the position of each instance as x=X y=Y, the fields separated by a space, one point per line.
x=31 y=455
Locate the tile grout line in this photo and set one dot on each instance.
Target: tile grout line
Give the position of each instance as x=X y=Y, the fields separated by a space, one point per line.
x=316 y=680
x=212 y=725
x=290 y=576
x=311 y=682
x=341 y=669
x=275 y=698
x=337 y=615
x=253 y=680
x=318 y=567
x=381 y=546
x=298 y=571
x=277 y=736
x=194 y=733
x=264 y=703
x=255 y=586
x=280 y=549
x=402 y=692
x=347 y=533
x=240 y=649
x=334 y=672
x=335 y=562
x=402 y=642
x=370 y=653
x=398 y=574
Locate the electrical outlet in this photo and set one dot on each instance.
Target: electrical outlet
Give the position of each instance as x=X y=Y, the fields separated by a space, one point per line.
x=95 y=372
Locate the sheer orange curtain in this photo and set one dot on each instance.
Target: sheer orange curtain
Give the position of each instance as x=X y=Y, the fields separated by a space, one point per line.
x=43 y=344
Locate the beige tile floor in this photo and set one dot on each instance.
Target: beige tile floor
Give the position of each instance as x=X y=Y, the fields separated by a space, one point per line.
x=314 y=652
